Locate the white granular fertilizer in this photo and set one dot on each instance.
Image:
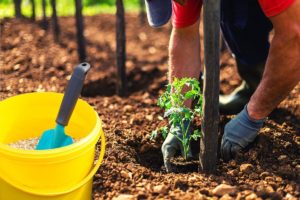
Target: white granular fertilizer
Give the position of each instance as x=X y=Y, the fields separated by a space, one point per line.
x=29 y=144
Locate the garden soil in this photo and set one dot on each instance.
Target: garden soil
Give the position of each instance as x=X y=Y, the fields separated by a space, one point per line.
x=133 y=167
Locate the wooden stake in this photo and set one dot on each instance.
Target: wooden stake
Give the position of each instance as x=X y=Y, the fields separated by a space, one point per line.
x=209 y=141
x=32 y=10
x=44 y=22
x=55 y=26
x=142 y=13
x=121 y=48
x=18 y=10
x=80 y=30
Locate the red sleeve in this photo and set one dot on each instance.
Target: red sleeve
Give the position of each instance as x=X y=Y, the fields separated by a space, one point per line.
x=274 y=7
x=186 y=15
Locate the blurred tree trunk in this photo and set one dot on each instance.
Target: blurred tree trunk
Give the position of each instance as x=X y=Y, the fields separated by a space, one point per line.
x=55 y=26
x=32 y=10
x=142 y=14
x=18 y=11
x=80 y=30
x=121 y=48
x=44 y=21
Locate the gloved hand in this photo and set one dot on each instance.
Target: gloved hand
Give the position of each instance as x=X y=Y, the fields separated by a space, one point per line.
x=171 y=146
x=239 y=133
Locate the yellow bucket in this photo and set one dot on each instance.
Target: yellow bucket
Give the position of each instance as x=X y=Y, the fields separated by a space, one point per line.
x=60 y=174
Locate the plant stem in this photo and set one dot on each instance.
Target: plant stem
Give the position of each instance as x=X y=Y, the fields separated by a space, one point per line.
x=178 y=138
x=185 y=152
x=188 y=127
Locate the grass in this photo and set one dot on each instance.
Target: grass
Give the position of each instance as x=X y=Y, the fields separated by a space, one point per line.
x=67 y=7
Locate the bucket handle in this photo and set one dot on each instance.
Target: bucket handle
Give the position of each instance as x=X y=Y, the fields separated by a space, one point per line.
x=71 y=189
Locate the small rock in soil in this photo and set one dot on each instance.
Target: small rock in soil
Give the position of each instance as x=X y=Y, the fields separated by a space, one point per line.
x=124 y=197
x=130 y=167
x=192 y=179
x=127 y=175
x=264 y=174
x=233 y=172
x=246 y=168
x=226 y=197
x=160 y=189
x=264 y=191
x=149 y=117
x=223 y=189
x=232 y=163
x=269 y=178
x=288 y=196
x=251 y=196
x=278 y=179
x=253 y=176
x=282 y=157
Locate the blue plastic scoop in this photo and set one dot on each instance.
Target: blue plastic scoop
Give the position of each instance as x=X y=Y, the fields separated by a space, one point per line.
x=55 y=138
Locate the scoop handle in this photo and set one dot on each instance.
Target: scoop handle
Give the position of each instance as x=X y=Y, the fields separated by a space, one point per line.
x=72 y=93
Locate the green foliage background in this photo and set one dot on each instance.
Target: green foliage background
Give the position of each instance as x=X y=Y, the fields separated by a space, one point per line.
x=67 y=7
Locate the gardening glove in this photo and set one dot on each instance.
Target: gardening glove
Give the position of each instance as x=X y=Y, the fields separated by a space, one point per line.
x=171 y=146
x=239 y=133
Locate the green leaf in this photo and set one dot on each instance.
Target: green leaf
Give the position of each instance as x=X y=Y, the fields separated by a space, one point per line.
x=198 y=110
x=153 y=135
x=169 y=88
x=164 y=131
x=175 y=119
x=189 y=95
x=187 y=113
x=168 y=105
x=196 y=134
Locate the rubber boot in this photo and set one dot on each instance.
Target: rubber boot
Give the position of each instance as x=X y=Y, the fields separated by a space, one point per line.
x=235 y=102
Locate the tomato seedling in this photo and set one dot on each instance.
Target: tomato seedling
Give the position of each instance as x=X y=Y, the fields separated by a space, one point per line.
x=179 y=115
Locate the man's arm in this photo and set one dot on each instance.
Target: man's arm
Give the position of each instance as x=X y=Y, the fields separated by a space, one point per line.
x=184 y=61
x=184 y=52
x=282 y=73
